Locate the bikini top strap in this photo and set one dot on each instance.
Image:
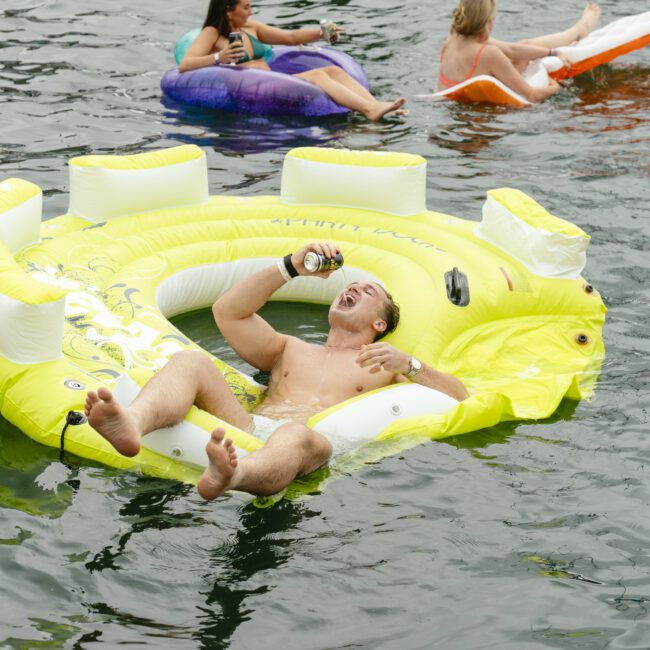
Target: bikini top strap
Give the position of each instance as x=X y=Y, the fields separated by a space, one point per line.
x=478 y=56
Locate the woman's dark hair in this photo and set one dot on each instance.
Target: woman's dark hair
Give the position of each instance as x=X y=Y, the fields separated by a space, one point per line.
x=390 y=314
x=217 y=16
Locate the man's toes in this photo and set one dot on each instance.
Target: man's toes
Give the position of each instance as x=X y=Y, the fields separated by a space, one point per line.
x=104 y=394
x=217 y=435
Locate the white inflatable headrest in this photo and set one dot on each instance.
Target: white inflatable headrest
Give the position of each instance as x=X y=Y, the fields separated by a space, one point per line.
x=107 y=187
x=548 y=246
x=21 y=206
x=394 y=183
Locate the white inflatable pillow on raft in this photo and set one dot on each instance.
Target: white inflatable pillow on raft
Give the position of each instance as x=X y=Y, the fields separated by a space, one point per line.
x=21 y=207
x=107 y=187
x=393 y=183
x=546 y=245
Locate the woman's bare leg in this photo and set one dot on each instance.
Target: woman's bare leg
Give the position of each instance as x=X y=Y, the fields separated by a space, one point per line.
x=585 y=25
x=341 y=94
x=256 y=63
x=340 y=75
x=291 y=451
x=188 y=378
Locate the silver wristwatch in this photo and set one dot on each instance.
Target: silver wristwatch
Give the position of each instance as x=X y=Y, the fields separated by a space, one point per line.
x=414 y=367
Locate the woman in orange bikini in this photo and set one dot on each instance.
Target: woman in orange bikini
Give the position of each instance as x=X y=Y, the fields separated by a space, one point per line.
x=211 y=47
x=469 y=51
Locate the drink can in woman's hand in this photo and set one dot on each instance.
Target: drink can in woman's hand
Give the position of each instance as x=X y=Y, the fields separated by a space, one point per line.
x=315 y=263
x=328 y=29
x=236 y=37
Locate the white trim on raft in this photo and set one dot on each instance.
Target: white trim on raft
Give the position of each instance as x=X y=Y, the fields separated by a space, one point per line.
x=548 y=254
x=363 y=419
x=184 y=441
x=198 y=287
x=98 y=193
x=21 y=226
x=398 y=190
x=31 y=333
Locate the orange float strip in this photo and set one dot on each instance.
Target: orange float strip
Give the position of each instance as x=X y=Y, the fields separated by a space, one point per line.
x=600 y=59
x=484 y=91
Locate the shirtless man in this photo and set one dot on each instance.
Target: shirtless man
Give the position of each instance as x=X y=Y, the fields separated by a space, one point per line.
x=361 y=314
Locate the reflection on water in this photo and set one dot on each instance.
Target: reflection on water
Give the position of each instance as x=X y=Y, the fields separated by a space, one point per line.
x=618 y=91
x=263 y=543
x=471 y=128
x=243 y=134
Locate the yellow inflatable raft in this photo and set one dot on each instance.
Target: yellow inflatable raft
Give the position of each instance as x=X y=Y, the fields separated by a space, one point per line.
x=85 y=298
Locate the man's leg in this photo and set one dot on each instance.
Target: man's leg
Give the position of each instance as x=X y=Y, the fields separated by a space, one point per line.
x=187 y=378
x=291 y=451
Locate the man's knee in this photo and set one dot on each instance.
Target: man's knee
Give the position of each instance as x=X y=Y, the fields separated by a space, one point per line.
x=191 y=358
x=196 y=368
x=315 y=448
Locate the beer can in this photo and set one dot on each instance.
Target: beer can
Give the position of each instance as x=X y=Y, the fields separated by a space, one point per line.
x=236 y=37
x=315 y=263
x=328 y=29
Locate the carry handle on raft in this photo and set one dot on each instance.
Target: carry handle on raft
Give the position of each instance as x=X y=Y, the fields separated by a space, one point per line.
x=457 y=287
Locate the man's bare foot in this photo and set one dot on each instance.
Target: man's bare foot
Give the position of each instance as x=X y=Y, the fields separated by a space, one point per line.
x=380 y=109
x=588 y=20
x=113 y=422
x=222 y=465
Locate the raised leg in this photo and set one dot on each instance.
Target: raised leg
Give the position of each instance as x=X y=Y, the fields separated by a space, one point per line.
x=340 y=75
x=188 y=378
x=291 y=451
x=346 y=96
x=585 y=25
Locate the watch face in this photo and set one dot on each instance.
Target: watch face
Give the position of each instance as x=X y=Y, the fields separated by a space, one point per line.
x=415 y=367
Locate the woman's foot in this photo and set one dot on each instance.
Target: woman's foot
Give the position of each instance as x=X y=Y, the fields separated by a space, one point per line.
x=588 y=20
x=379 y=109
x=112 y=422
x=222 y=465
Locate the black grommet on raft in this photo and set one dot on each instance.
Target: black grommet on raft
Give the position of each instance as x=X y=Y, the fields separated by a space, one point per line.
x=73 y=418
x=582 y=339
x=457 y=287
x=588 y=288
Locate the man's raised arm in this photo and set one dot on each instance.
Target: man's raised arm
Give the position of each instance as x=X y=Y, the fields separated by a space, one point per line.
x=235 y=313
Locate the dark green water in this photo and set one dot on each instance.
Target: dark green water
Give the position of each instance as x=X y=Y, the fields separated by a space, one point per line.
x=526 y=536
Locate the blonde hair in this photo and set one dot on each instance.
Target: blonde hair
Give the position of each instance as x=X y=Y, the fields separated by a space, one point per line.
x=471 y=16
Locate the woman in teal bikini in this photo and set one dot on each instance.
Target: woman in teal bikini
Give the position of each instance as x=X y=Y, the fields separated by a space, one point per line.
x=469 y=51
x=211 y=47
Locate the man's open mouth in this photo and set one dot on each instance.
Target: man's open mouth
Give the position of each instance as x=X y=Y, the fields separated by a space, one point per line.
x=347 y=301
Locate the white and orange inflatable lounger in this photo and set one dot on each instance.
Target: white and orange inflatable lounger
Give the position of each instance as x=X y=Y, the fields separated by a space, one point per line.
x=601 y=46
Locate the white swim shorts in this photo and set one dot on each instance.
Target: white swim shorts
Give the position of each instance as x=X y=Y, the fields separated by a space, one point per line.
x=264 y=426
